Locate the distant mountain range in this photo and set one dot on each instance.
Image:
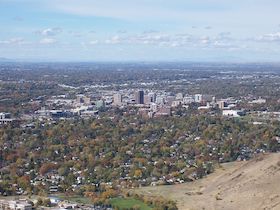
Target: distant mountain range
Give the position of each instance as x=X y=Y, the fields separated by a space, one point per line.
x=6 y=59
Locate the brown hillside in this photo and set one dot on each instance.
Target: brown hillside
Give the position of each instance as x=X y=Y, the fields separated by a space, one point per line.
x=240 y=185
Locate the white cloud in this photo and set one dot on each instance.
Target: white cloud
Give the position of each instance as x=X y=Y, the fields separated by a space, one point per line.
x=47 y=41
x=269 y=37
x=220 y=41
x=224 y=36
x=114 y=40
x=93 y=42
x=50 y=31
x=223 y=45
x=15 y=41
x=152 y=39
x=205 y=40
x=76 y=34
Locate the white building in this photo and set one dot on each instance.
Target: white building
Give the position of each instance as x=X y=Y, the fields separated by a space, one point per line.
x=5 y=118
x=153 y=107
x=198 y=98
x=170 y=99
x=233 y=113
x=163 y=111
x=188 y=100
x=179 y=96
x=176 y=103
x=160 y=100
x=15 y=205
x=153 y=97
x=221 y=104
x=117 y=99
x=82 y=99
x=258 y=101
x=4 y=115
x=208 y=106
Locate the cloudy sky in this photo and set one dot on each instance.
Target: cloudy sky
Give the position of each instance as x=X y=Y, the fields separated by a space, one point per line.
x=140 y=30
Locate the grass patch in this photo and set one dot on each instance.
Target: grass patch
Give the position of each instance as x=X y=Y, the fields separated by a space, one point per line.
x=124 y=203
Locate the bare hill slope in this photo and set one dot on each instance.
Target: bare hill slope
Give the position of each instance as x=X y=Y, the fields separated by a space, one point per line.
x=248 y=185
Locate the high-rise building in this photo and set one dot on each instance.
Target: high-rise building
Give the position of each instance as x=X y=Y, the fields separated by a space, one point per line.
x=100 y=104
x=198 y=98
x=153 y=107
x=139 y=97
x=147 y=99
x=153 y=97
x=117 y=99
x=221 y=104
x=150 y=98
x=160 y=100
x=170 y=99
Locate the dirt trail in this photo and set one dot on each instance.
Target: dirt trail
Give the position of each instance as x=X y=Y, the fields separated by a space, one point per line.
x=252 y=185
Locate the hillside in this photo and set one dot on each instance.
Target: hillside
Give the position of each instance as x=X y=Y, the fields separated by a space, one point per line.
x=240 y=185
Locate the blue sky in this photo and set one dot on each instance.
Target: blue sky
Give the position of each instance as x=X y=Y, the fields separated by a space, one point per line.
x=140 y=30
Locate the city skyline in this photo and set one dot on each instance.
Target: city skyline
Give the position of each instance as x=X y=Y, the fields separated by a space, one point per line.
x=205 y=31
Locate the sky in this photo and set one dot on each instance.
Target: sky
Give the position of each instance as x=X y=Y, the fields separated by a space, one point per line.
x=140 y=30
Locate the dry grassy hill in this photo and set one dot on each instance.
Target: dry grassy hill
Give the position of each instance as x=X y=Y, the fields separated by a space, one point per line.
x=251 y=185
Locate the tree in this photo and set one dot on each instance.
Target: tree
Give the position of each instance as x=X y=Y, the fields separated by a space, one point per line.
x=47 y=167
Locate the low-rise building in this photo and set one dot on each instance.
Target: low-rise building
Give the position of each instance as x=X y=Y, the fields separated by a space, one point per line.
x=258 y=101
x=233 y=113
x=15 y=205
x=5 y=118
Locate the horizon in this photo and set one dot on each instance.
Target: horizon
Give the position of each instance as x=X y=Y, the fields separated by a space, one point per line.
x=141 y=31
x=14 y=61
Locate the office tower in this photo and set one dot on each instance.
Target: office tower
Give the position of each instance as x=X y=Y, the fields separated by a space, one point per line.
x=152 y=97
x=198 y=98
x=117 y=99
x=221 y=104
x=139 y=97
